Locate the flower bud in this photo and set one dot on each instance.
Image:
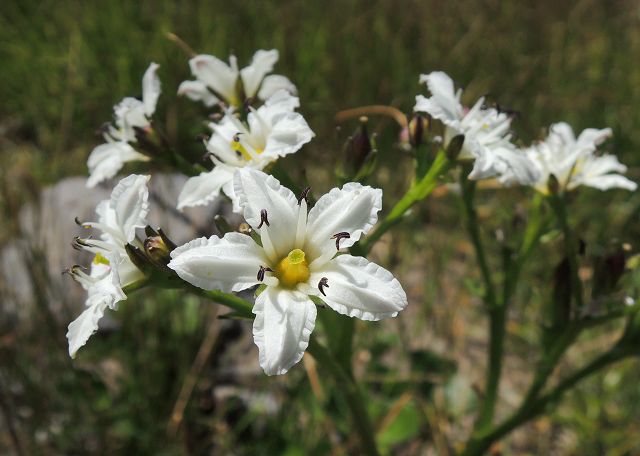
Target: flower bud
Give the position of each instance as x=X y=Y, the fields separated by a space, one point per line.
x=150 y=142
x=560 y=306
x=553 y=185
x=454 y=147
x=358 y=148
x=157 y=250
x=417 y=125
x=608 y=270
x=139 y=259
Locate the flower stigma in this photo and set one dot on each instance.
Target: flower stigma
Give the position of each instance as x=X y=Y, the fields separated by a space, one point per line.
x=100 y=259
x=292 y=269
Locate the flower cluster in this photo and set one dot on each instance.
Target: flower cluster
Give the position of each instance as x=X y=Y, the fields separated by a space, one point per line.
x=296 y=255
x=111 y=269
x=487 y=143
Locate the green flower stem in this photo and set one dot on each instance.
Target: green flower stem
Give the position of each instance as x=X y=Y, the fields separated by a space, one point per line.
x=497 y=310
x=352 y=394
x=135 y=286
x=468 y=189
x=560 y=208
x=241 y=307
x=529 y=410
x=418 y=191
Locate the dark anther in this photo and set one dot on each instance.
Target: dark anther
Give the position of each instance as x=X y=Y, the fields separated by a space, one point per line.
x=79 y=243
x=236 y=137
x=340 y=236
x=263 y=218
x=324 y=282
x=77 y=220
x=304 y=195
x=72 y=270
x=261 y=272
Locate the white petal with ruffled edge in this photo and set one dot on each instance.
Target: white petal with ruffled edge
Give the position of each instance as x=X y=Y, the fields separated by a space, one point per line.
x=359 y=288
x=282 y=327
x=130 y=201
x=107 y=159
x=201 y=190
x=288 y=134
x=216 y=74
x=444 y=103
x=261 y=64
x=197 y=91
x=353 y=209
x=256 y=191
x=227 y=264
x=102 y=294
x=150 y=89
x=274 y=83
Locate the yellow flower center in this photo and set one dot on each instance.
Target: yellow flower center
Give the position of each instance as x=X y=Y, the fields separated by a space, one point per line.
x=239 y=147
x=100 y=259
x=292 y=269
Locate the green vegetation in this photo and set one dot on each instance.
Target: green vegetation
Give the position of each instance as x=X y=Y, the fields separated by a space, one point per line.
x=65 y=63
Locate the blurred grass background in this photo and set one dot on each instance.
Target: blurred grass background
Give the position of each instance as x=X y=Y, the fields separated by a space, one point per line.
x=64 y=65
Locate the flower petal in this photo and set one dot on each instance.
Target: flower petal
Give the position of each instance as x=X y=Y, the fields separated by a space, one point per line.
x=510 y=165
x=104 y=292
x=609 y=181
x=129 y=200
x=150 y=89
x=107 y=159
x=444 y=103
x=83 y=327
x=353 y=209
x=197 y=91
x=201 y=190
x=227 y=264
x=282 y=327
x=261 y=64
x=216 y=74
x=359 y=288
x=274 y=83
x=256 y=191
x=289 y=133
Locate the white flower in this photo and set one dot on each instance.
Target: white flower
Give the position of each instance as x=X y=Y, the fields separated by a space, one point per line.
x=297 y=259
x=485 y=130
x=111 y=269
x=272 y=131
x=573 y=161
x=217 y=81
x=108 y=158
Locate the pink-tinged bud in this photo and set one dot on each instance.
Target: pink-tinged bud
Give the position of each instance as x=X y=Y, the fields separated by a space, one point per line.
x=358 y=148
x=418 y=124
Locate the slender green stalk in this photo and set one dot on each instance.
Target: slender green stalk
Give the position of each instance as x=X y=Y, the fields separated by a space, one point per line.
x=529 y=410
x=496 y=309
x=242 y=307
x=418 y=191
x=468 y=189
x=352 y=394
